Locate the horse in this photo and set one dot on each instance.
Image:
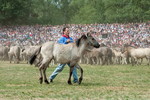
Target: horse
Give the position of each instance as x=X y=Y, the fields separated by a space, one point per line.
x=117 y=56
x=4 y=53
x=14 y=52
x=27 y=51
x=93 y=56
x=137 y=53
x=124 y=57
x=106 y=55
x=102 y=55
x=63 y=53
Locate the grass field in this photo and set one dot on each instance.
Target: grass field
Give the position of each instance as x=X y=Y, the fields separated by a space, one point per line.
x=113 y=82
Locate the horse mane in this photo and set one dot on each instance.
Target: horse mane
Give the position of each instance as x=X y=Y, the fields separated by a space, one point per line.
x=103 y=45
x=22 y=50
x=126 y=45
x=79 y=40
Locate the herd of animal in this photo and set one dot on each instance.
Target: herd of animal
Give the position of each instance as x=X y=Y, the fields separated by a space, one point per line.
x=16 y=53
x=85 y=50
x=97 y=56
x=116 y=55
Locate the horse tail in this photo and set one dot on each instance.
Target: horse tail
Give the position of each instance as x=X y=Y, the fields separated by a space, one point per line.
x=33 y=57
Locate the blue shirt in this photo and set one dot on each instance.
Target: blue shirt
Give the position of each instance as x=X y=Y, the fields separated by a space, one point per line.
x=63 y=40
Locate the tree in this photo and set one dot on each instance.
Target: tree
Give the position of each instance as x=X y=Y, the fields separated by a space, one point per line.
x=14 y=11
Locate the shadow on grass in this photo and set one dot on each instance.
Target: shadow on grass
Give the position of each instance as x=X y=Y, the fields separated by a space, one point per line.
x=92 y=84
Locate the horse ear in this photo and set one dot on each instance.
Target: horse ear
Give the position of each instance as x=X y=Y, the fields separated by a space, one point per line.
x=126 y=45
x=83 y=37
x=88 y=34
x=78 y=42
x=22 y=50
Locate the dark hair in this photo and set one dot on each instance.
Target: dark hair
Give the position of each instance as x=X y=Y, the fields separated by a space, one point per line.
x=64 y=29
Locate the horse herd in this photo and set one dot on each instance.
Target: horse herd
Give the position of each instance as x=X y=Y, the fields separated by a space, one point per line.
x=85 y=50
x=124 y=55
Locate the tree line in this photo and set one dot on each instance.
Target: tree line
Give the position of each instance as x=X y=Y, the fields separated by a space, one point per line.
x=57 y=12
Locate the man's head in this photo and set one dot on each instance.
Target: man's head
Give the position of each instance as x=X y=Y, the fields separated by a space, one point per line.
x=66 y=31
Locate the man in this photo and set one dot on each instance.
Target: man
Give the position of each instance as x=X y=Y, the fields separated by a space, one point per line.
x=65 y=39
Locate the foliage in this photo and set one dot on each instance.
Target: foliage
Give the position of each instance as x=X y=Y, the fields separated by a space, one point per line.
x=73 y=11
x=86 y=15
x=16 y=11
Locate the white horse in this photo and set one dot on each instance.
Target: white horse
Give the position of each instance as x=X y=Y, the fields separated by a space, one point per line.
x=117 y=56
x=14 y=52
x=138 y=53
x=124 y=57
x=63 y=53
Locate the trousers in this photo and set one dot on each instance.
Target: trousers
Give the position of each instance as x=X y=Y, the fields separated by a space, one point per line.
x=59 y=68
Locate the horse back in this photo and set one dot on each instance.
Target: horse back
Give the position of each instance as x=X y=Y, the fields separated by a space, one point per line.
x=65 y=53
x=47 y=49
x=139 y=52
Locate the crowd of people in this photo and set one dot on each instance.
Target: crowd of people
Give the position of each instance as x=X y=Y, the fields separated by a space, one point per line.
x=135 y=34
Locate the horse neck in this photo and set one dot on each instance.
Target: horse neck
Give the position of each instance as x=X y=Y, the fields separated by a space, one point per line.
x=130 y=48
x=82 y=48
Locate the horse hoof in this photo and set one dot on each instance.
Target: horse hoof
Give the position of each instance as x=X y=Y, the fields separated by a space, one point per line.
x=41 y=80
x=46 y=82
x=80 y=80
x=69 y=82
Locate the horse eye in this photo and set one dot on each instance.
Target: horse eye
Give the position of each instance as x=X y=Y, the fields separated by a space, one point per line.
x=93 y=39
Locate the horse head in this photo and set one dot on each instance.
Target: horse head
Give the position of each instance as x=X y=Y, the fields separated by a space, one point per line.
x=89 y=39
x=126 y=48
x=92 y=41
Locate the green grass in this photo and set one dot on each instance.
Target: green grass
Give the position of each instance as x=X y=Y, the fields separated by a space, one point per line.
x=113 y=82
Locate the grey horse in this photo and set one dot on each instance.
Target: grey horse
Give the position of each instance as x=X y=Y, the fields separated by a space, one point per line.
x=68 y=53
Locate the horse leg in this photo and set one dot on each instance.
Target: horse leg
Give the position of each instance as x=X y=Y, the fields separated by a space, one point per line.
x=10 y=57
x=42 y=68
x=97 y=59
x=90 y=61
x=93 y=61
x=106 y=60
x=141 y=60
x=148 y=59
x=136 y=61
x=126 y=61
x=110 y=60
x=44 y=73
x=103 y=60
x=17 y=58
x=116 y=60
x=132 y=60
x=70 y=74
x=45 y=78
x=41 y=75
x=81 y=70
x=119 y=59
x=87 y=59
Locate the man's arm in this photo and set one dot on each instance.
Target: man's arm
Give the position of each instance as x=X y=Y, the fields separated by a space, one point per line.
x=71 y=40
x=65 y=40
x=61 y=41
